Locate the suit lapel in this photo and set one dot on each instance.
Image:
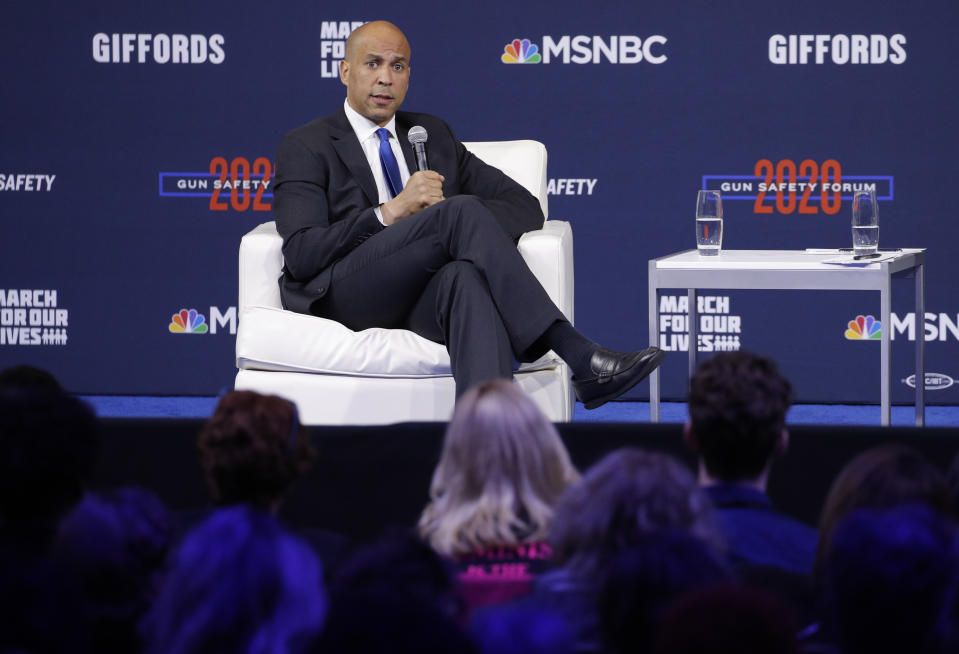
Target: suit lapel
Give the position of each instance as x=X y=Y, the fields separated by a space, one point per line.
x=350 y=152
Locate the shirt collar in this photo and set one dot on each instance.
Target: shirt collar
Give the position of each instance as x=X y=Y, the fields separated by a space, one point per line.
x=724 y=494
x=363 y=127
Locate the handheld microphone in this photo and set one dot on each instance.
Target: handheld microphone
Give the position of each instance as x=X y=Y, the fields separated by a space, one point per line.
x=417 y=137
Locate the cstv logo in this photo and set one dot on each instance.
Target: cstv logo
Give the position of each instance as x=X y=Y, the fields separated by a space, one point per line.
x=864 y=328
x=935 y=381
x=521 y=52
x=191 y=321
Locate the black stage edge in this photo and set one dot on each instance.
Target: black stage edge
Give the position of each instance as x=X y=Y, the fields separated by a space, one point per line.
x=368 y=478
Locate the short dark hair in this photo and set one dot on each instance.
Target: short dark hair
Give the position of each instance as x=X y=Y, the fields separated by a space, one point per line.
x=253 y=448
x=737 y=407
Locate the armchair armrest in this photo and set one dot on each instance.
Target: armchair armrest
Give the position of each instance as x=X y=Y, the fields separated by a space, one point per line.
x=261 y=260
x=549 y=254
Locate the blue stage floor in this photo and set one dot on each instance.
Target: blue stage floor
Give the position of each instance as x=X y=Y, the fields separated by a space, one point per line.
x=109 y=406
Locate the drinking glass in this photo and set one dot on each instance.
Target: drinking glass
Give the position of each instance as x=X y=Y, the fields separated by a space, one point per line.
x=709 y=223
x=865 y=222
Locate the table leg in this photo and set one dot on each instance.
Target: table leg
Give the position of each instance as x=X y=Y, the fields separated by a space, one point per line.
x=920 y=348
x=653 y=314
x=693 y=331
x=885 y=302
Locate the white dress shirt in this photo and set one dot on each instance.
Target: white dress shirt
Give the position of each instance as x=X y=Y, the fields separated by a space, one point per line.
x=365 y=130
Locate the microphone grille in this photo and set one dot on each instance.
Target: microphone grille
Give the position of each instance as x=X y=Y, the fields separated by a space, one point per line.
x=417 y=134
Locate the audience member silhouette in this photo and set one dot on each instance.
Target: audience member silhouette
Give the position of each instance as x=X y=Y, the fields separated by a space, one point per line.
x=642 y=581
x=727 y=619
x=883 y=477
x=947 y=623
x=886 y=574
x=522 y=629
x=48 y=448
x=253 y=449
x=402 y=565
x=623 y=500
x=238 y=584
x=25 y=377
x=395 y=595
x=502 y=469
x=886 y=476
x=385 y=623
x=737 y=426
x=114 y=545
x=629 y=494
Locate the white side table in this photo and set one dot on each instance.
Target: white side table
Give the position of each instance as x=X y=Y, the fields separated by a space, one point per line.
x=783 y=270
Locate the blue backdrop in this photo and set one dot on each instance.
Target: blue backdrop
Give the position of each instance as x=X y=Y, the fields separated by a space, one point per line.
x=127 y=127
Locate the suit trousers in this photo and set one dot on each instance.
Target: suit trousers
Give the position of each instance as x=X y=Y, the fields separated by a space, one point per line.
x=451 y=274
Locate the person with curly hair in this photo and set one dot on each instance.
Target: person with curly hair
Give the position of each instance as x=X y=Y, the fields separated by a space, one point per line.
x=253 y=449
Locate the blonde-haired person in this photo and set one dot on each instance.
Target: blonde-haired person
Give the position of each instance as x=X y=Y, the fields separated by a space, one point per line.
x=502 y=469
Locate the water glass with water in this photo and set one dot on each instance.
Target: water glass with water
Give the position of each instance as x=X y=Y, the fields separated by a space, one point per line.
x=865 y=222
x=709 y=223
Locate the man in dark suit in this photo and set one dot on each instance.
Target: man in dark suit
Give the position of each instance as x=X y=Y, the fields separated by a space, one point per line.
x=370 y=245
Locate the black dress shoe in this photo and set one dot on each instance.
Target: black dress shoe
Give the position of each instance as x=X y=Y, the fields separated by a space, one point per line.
x=614 y=373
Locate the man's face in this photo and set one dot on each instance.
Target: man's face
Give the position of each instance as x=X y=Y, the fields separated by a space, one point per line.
x=377 y=72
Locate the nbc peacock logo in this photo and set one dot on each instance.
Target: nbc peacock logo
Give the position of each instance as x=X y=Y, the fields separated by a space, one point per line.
x=188 y=322
x=521 y=52
x=864 y=328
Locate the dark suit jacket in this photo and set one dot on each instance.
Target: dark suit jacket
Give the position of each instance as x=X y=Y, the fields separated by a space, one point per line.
x=324 y=194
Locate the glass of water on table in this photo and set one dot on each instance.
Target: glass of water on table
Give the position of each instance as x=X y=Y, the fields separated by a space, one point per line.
x=865 y=222
x=709 y=223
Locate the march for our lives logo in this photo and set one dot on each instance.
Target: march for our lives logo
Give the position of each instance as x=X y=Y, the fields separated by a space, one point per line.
x=188 y=322
x=521 y=52
x=864 y=328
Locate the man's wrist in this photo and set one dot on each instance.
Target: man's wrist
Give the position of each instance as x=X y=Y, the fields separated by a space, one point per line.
x=389 y=213
x=386 y=214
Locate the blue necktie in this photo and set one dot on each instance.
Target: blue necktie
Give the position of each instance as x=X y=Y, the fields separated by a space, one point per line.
x=390 y=168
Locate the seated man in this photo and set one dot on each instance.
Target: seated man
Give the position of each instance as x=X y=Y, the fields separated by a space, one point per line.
x=737 y=415
x=368 y=244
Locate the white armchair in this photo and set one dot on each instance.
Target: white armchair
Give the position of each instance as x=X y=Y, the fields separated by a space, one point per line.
x=377 y=376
